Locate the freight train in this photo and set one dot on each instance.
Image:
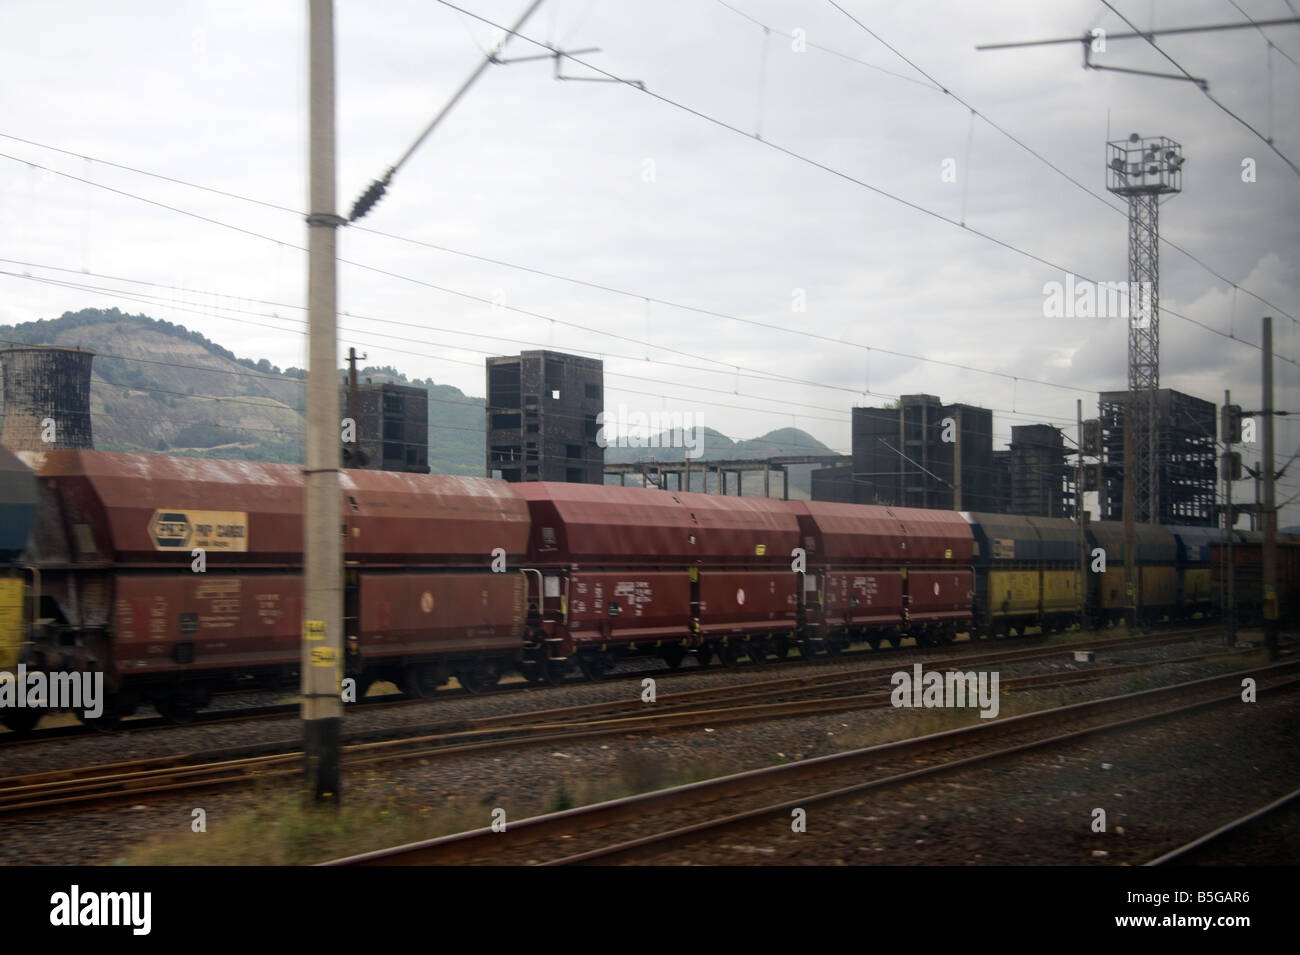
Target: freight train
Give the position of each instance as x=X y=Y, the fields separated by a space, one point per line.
x=177 y=577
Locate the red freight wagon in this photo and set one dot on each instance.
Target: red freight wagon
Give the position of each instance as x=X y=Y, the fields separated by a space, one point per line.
x=116 y=548
x=854 y=579
x=747 y=594
x=609 y=573
x=436 y=582
x=939 y=581
x=883 y=572
x=622 y=569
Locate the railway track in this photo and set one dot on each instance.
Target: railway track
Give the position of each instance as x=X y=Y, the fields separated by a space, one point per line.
x=651 y=825
x=273 y=711
x=1222 y=839
x=804 y=694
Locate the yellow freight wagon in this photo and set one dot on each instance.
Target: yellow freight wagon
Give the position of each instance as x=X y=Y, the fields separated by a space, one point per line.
x=1110 y=590
x=1060 y=590
x=1013 y=592
x=12 y=635
x=1159 y=590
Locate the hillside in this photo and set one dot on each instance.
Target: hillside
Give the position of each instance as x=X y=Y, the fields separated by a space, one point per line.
x=160 y=388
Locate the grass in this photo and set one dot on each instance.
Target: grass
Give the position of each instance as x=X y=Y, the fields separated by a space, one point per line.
x=375 y=814
x=282 y=829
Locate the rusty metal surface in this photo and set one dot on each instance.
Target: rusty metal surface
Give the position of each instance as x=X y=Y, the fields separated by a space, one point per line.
x=939 y=594
x=583 y=522
x=244 y=620
x=939 y=536
x=749 y=601
x=862 y=597
x=115 y=504
x=850 y=532
x=586 y=522
x=157 y=509
x=742 y=529
x=413 y=518
x=651 y=604
x=406 y=613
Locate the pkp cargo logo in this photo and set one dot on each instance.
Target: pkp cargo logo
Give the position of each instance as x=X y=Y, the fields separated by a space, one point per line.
x=169 y=529
x=210 y=530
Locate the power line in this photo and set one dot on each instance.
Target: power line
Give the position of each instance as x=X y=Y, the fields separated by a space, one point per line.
x=377 y=188
x=621 y=389
x=595 y=285
x=726 y=370
x=825 y=49
x=848 y=178
x=637 y=341
x=935 y=84
x=1026 y=415
x=161 y=300
x=653 y=299
x=1260 y=28
x=728 y=366
x=1266 y=141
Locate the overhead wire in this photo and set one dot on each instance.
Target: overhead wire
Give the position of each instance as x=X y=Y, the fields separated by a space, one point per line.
x=1267 y=141
x=1009 y=246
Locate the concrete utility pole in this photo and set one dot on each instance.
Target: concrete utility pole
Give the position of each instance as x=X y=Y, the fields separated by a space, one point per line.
x=322 y=644
x=1230 y=572
x=1078 y=514
x=1270 y=502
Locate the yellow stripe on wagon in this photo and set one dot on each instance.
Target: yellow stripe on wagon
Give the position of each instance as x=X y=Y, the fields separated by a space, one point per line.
x=12 y=636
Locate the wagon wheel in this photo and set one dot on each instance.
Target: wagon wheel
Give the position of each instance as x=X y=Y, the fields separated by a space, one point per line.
x=756 y=651
x=419 y=681
x=476 y=678
x=22 y=721
x=533 y=671
x=704 y=656
x=807 y=650
x=895 y=638
x=593 y=666
x=176 y=709
x=873 y=640
x=555 y=671
x=727 y=654
x=673 y=655
x=782 y=647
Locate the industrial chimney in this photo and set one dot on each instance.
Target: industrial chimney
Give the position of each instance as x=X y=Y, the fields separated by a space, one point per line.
x=46 y=397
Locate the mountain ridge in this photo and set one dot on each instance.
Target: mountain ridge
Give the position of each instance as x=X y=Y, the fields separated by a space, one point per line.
x=158 y=387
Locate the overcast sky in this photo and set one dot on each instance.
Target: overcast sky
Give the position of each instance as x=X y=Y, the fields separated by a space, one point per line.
x=604 y=183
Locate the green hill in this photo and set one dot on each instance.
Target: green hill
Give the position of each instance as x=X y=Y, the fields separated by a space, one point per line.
x=160 y=388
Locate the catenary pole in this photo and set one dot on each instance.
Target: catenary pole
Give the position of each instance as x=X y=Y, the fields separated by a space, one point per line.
x=322 y=643
x=1270 y=501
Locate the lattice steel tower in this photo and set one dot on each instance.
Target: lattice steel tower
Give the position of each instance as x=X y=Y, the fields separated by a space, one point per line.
x=1143 y=170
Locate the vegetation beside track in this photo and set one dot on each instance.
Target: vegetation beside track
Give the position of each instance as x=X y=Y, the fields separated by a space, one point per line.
x=281 y=830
